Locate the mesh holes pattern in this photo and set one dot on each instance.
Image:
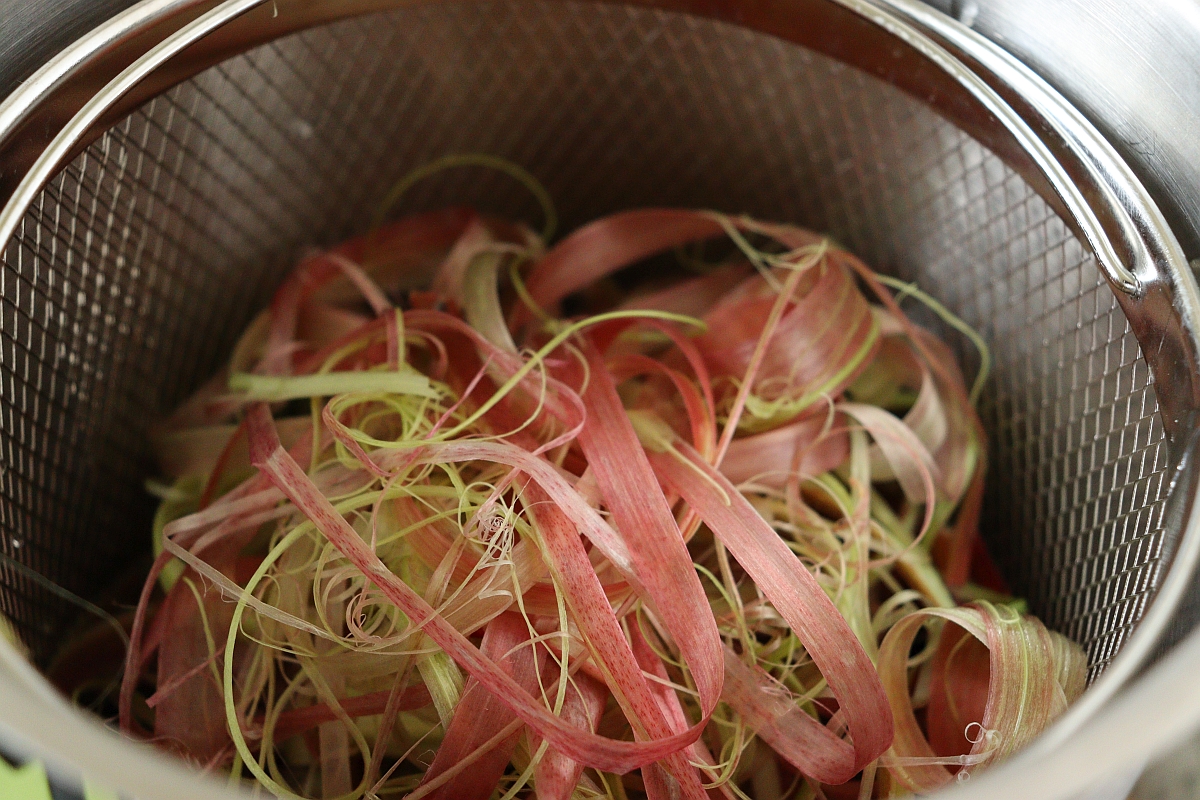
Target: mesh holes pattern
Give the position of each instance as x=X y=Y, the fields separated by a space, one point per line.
x=138 y=265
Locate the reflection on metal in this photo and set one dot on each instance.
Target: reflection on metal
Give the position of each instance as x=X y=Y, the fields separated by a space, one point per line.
x=1086 y=424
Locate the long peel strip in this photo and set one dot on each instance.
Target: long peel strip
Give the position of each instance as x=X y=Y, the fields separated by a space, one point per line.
x=588 y=748
x=794 y=592
x=644 y=521
x=480 y=715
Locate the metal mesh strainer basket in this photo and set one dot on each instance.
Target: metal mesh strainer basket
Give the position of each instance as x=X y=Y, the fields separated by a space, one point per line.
x=142 y=239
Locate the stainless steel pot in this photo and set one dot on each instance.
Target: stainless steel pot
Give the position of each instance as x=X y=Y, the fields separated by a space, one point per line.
x=158 y=175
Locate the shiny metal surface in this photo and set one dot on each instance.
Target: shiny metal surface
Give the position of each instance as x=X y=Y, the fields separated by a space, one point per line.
x=33 y=113
x=1148 y=288
x=139 y=249
x=37 y=723
x=976 y=84
x=1121 y=221
x=99 y=103
x=36 y=32
x=1052 y=133
x=1134 y=69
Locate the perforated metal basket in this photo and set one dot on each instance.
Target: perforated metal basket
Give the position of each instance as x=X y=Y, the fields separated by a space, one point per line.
x=160 y=176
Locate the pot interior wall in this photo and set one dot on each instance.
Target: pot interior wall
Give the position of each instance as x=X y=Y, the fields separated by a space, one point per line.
x=141 y=262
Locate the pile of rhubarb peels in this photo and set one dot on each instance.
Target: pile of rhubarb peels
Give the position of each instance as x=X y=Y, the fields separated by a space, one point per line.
x=464 y=517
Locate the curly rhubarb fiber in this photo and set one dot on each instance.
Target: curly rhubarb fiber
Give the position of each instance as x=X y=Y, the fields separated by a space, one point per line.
x=711 y=540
